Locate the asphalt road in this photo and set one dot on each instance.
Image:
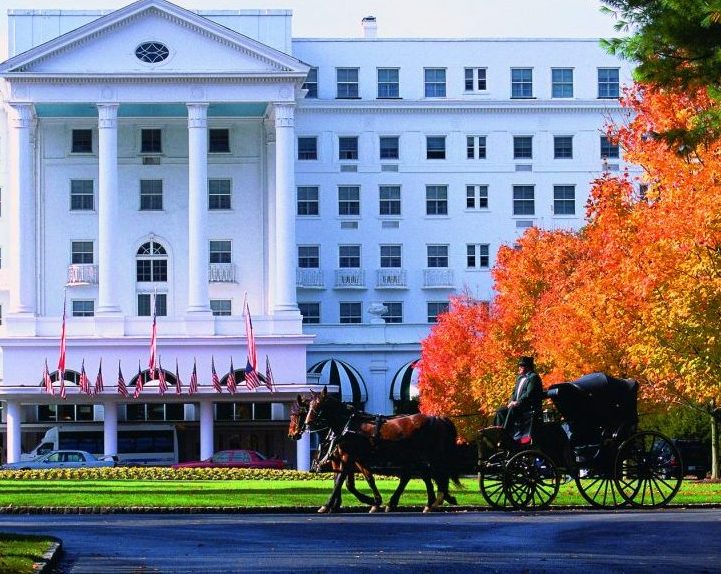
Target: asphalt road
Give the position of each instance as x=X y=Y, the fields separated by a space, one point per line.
x=596 y=542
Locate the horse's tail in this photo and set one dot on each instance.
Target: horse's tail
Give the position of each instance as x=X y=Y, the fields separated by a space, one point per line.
x=453 y=454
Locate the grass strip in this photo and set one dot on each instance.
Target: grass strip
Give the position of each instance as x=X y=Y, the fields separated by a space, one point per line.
x=18 y=552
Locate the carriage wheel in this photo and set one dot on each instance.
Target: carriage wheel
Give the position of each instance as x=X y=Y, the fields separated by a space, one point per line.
x=648 y=470
x=490 y=481
x=531 y=480
x=600 y=491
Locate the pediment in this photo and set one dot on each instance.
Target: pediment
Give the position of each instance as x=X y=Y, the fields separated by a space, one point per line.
x=195 y=46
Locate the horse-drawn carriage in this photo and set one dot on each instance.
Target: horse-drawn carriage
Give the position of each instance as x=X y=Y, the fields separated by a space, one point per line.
x=591 y=437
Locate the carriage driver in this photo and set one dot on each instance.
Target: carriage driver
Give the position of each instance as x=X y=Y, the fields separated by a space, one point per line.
x=527 y=395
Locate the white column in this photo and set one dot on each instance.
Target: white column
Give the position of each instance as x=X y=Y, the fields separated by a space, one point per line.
x=302 y=452
x=198 y=250
x=271 y=221
x=285 y=300
x=12 y=419
x=23 y=298
x=206 y=429
x=108 y=212
x=110 y=428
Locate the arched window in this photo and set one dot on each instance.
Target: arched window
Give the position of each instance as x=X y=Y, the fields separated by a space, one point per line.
x=152 y=263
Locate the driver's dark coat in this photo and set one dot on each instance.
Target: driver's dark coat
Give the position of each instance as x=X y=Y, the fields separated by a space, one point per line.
x=530 y=396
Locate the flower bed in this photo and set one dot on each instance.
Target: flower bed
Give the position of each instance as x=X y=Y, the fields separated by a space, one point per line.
x=161 y=473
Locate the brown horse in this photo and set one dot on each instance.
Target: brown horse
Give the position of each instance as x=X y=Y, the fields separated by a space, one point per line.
x=406 y=446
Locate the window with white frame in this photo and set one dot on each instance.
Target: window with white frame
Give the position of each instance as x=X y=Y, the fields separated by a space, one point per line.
x=477 y=255
x=81 y=252
x=307 y=148
x=522 y=147
x=389 y=147
x=524 y=200
x=436 y=308
x=221 y=307
x=82 y=196
x=348 y=147
x=608 y=83
x=218 y=140
x=434 y=82
x=83 y=308
x=350 y=312
x=435 y=147
x=521 y=82
x=390 y=256
x=476 y=147
x=308 y=200
x=220 y=251
x=561 y=82
x=310 y=311
x=562 y=147
x=309 y=256
x=436 y=200
x=348 y=200
x=346 y=83
x=151 y=263
x=219 y=195
x=389 y=199
x=81 y=141
x=151 y=140
x=437 y=256
x=475 y=79
x=388 y=83
x=564 y=200
x=311 y=84
x=394 y=311
x=145 y=304
x=477 y=196
x=151 y=195
x=349 y=256
x=609 y=150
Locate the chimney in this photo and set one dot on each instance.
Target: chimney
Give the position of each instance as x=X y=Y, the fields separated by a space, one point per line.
x=370 y=28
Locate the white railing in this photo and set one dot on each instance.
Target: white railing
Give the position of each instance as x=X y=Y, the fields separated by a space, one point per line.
x=83 y=274
x=349 y=278
x=439 y=277
x=221 y=273
x=309 y=278
x=390 y=278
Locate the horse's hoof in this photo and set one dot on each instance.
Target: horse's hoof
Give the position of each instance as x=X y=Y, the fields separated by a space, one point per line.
x=427 y=509
x=390 y=508
x=323 y=510
x=373 y=509
x=451 y=500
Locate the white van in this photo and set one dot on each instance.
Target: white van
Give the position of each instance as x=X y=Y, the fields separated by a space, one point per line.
x=141 y=444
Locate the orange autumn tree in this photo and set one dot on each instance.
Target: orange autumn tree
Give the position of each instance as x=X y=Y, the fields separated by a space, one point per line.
x=637 y=292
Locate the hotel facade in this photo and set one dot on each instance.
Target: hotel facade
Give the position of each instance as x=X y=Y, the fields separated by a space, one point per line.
x=154 y=158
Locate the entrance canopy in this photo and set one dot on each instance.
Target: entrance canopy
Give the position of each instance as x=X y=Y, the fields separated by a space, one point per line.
x=335 y=372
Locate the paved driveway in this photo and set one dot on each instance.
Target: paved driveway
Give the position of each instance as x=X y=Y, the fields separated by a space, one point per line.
x=595 y=542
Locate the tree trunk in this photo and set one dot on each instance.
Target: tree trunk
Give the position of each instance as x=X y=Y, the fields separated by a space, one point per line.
x=714 y=442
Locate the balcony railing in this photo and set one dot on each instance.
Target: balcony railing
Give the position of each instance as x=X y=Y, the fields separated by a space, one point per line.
x=438 y=278
x=350 y=279
x=83 y=274
x=391 y=279
x=309 y=278
x=221 y=273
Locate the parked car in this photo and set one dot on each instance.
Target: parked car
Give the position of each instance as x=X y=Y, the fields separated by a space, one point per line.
x=241 y=458
x=695 y=455
x=61 y=459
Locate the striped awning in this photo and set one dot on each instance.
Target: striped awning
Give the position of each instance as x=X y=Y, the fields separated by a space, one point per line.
x=335 y=372
x=404 y=385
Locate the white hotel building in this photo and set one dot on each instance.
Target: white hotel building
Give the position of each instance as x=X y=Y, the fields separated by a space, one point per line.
x=348 y=186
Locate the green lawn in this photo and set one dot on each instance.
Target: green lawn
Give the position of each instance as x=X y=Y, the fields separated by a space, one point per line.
x=256 y=493
x=18 y=552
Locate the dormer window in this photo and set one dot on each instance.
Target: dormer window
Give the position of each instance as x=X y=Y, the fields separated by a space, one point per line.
x=152 y=52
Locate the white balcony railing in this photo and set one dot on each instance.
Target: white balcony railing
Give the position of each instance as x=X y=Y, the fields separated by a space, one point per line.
x=221 y=273
x=438 y=278
x=391 y=279
x=83 y=274
x=306 y=278
x=350 y=279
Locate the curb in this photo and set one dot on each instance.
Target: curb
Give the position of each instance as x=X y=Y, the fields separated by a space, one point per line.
x=50 y=558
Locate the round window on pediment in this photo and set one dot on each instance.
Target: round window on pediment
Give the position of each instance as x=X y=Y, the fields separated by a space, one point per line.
x=152 y=52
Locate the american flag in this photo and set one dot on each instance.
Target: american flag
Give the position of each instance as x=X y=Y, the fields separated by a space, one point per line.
x=178 y=384
x=99 y=388
x=231 y=379
x=252 y=381
x=61 y=359
x=84 y=382
x=215 y=379
x=269 y=376
x=153 y=361
x=47 y=381
x=193 y=386
x=122 y=388
x=252 y=357
x=138 y=383
x=162 y=383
